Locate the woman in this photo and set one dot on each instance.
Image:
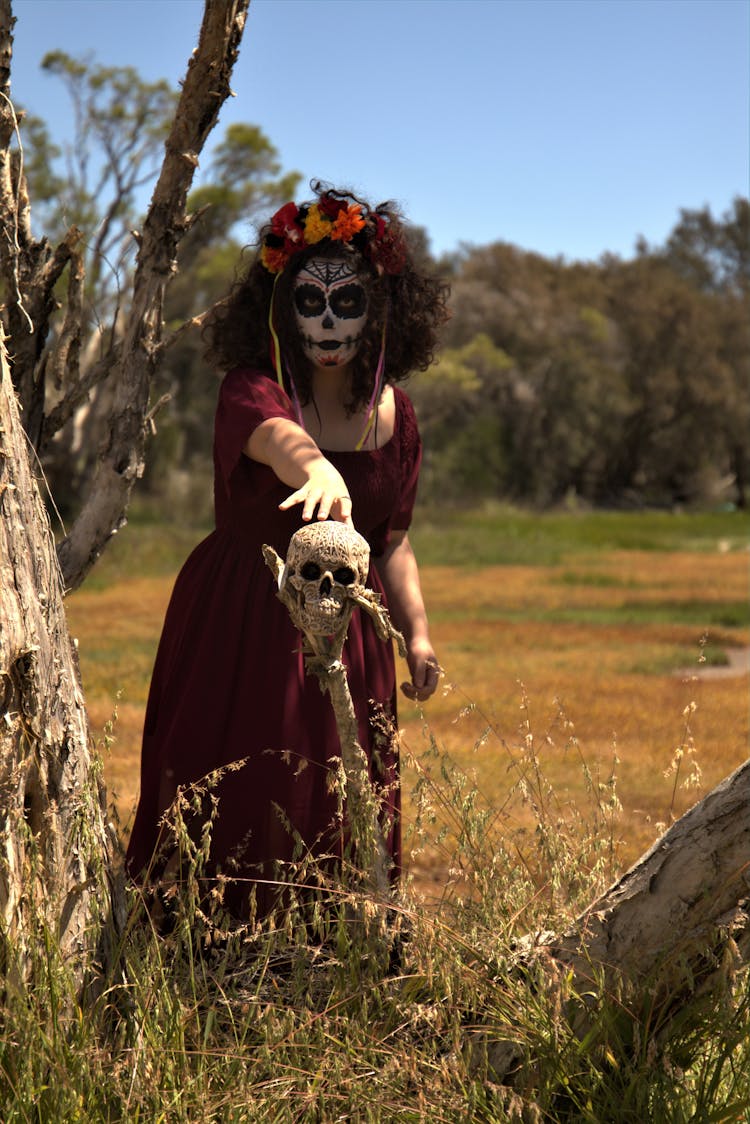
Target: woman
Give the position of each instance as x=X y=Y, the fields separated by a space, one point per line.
x=331 y=315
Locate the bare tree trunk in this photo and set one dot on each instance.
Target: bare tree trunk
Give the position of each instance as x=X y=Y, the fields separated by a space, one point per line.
x=56 y=860
x=667 y=920
x=121 y=458
x=56 y=849
x=31 y=268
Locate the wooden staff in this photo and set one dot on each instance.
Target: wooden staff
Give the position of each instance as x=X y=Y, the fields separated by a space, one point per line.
x=323 y=658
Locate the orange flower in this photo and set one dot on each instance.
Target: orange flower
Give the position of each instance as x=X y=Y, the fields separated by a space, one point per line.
x=274 y=260
x=348 y=223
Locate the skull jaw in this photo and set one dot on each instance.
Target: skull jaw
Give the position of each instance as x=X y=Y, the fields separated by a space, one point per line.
x=322 y=616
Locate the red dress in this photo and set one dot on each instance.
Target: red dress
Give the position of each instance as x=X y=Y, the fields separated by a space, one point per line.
x=229 y=682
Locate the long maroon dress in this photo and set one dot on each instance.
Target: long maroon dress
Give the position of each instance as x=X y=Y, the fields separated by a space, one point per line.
x=229 y=682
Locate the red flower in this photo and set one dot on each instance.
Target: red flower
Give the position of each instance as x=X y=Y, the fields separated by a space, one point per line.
x=393 y=257
x=274 y=259
x=331 y=207
x=285 y=224
x=387 y=249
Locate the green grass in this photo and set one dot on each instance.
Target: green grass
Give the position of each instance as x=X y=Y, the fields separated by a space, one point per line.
x=496 y=535
x=117 y=675
x=508 y=536
x=145 y=548
x=703 y=614
x=665 y=662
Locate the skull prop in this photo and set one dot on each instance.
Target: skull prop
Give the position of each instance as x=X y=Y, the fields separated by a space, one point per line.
x=326 y=567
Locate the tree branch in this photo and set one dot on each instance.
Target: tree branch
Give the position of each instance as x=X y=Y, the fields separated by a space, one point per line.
x=64 y=410
x=121 y=458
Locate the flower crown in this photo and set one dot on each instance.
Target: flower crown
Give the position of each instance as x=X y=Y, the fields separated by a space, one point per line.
x=293 y=228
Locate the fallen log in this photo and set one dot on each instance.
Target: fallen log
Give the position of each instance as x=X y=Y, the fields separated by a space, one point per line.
x=671 y=932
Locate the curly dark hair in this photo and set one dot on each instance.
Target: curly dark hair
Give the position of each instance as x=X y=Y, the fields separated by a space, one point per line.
x=411 y=302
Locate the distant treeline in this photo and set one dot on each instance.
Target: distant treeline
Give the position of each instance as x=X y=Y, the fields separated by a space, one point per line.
x=618 y=383
x=612 y=383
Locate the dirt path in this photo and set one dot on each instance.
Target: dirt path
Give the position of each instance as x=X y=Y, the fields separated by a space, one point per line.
x=739 y=664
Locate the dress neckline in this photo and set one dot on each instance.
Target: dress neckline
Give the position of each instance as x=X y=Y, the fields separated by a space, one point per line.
x=379 y=448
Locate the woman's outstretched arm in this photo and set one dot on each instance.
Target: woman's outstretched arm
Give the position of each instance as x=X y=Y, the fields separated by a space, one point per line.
x=297 y=461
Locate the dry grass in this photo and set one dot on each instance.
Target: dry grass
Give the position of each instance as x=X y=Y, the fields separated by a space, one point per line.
x=584 y=656
x=117 y=630
x=338 y=1011
x=513 y=662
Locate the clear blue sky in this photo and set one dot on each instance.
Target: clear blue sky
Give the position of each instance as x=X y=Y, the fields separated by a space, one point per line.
x=563 y=126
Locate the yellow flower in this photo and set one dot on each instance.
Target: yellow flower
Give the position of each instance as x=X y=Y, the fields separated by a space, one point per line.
x=317 y=226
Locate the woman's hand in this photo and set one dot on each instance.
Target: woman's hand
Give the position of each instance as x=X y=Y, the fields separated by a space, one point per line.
x=425 y=671
x=325 y=489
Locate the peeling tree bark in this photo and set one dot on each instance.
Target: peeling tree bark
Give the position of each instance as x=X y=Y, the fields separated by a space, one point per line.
x=56 y=849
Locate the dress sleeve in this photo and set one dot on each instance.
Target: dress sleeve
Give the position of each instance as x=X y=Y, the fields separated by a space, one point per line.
x=246 y=398
x=411 y=460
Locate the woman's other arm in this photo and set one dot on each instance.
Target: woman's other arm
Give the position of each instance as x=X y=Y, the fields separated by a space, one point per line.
x=398 y=571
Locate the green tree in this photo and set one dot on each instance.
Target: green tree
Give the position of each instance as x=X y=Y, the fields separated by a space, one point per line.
x=245 y=181
x=625 y=382
x=713 y=254
x=456 y=402
x=686 y=371
x=120 y=125
x=88 y=191
x=544 y=417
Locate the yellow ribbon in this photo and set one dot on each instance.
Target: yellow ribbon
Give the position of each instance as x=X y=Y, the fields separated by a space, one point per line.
x=276 y=349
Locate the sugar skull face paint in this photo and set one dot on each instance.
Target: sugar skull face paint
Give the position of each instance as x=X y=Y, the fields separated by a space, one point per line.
x=330 y=305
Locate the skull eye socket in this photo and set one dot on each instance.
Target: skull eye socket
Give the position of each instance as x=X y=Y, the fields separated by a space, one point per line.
x=310 y=571
x=344 y=575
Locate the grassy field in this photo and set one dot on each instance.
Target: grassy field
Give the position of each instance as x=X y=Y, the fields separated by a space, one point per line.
x=605 y=641
x=589 y=694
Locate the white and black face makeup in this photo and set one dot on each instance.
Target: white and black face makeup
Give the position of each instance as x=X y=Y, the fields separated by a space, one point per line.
x=330 y=306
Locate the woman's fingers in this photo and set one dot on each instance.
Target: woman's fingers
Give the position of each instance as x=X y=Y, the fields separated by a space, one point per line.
x=341 y=509
x=424 y=680
x=329 y=503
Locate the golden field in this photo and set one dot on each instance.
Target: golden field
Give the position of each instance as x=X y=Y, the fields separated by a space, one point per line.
x=616 y=658
x=622 y=695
